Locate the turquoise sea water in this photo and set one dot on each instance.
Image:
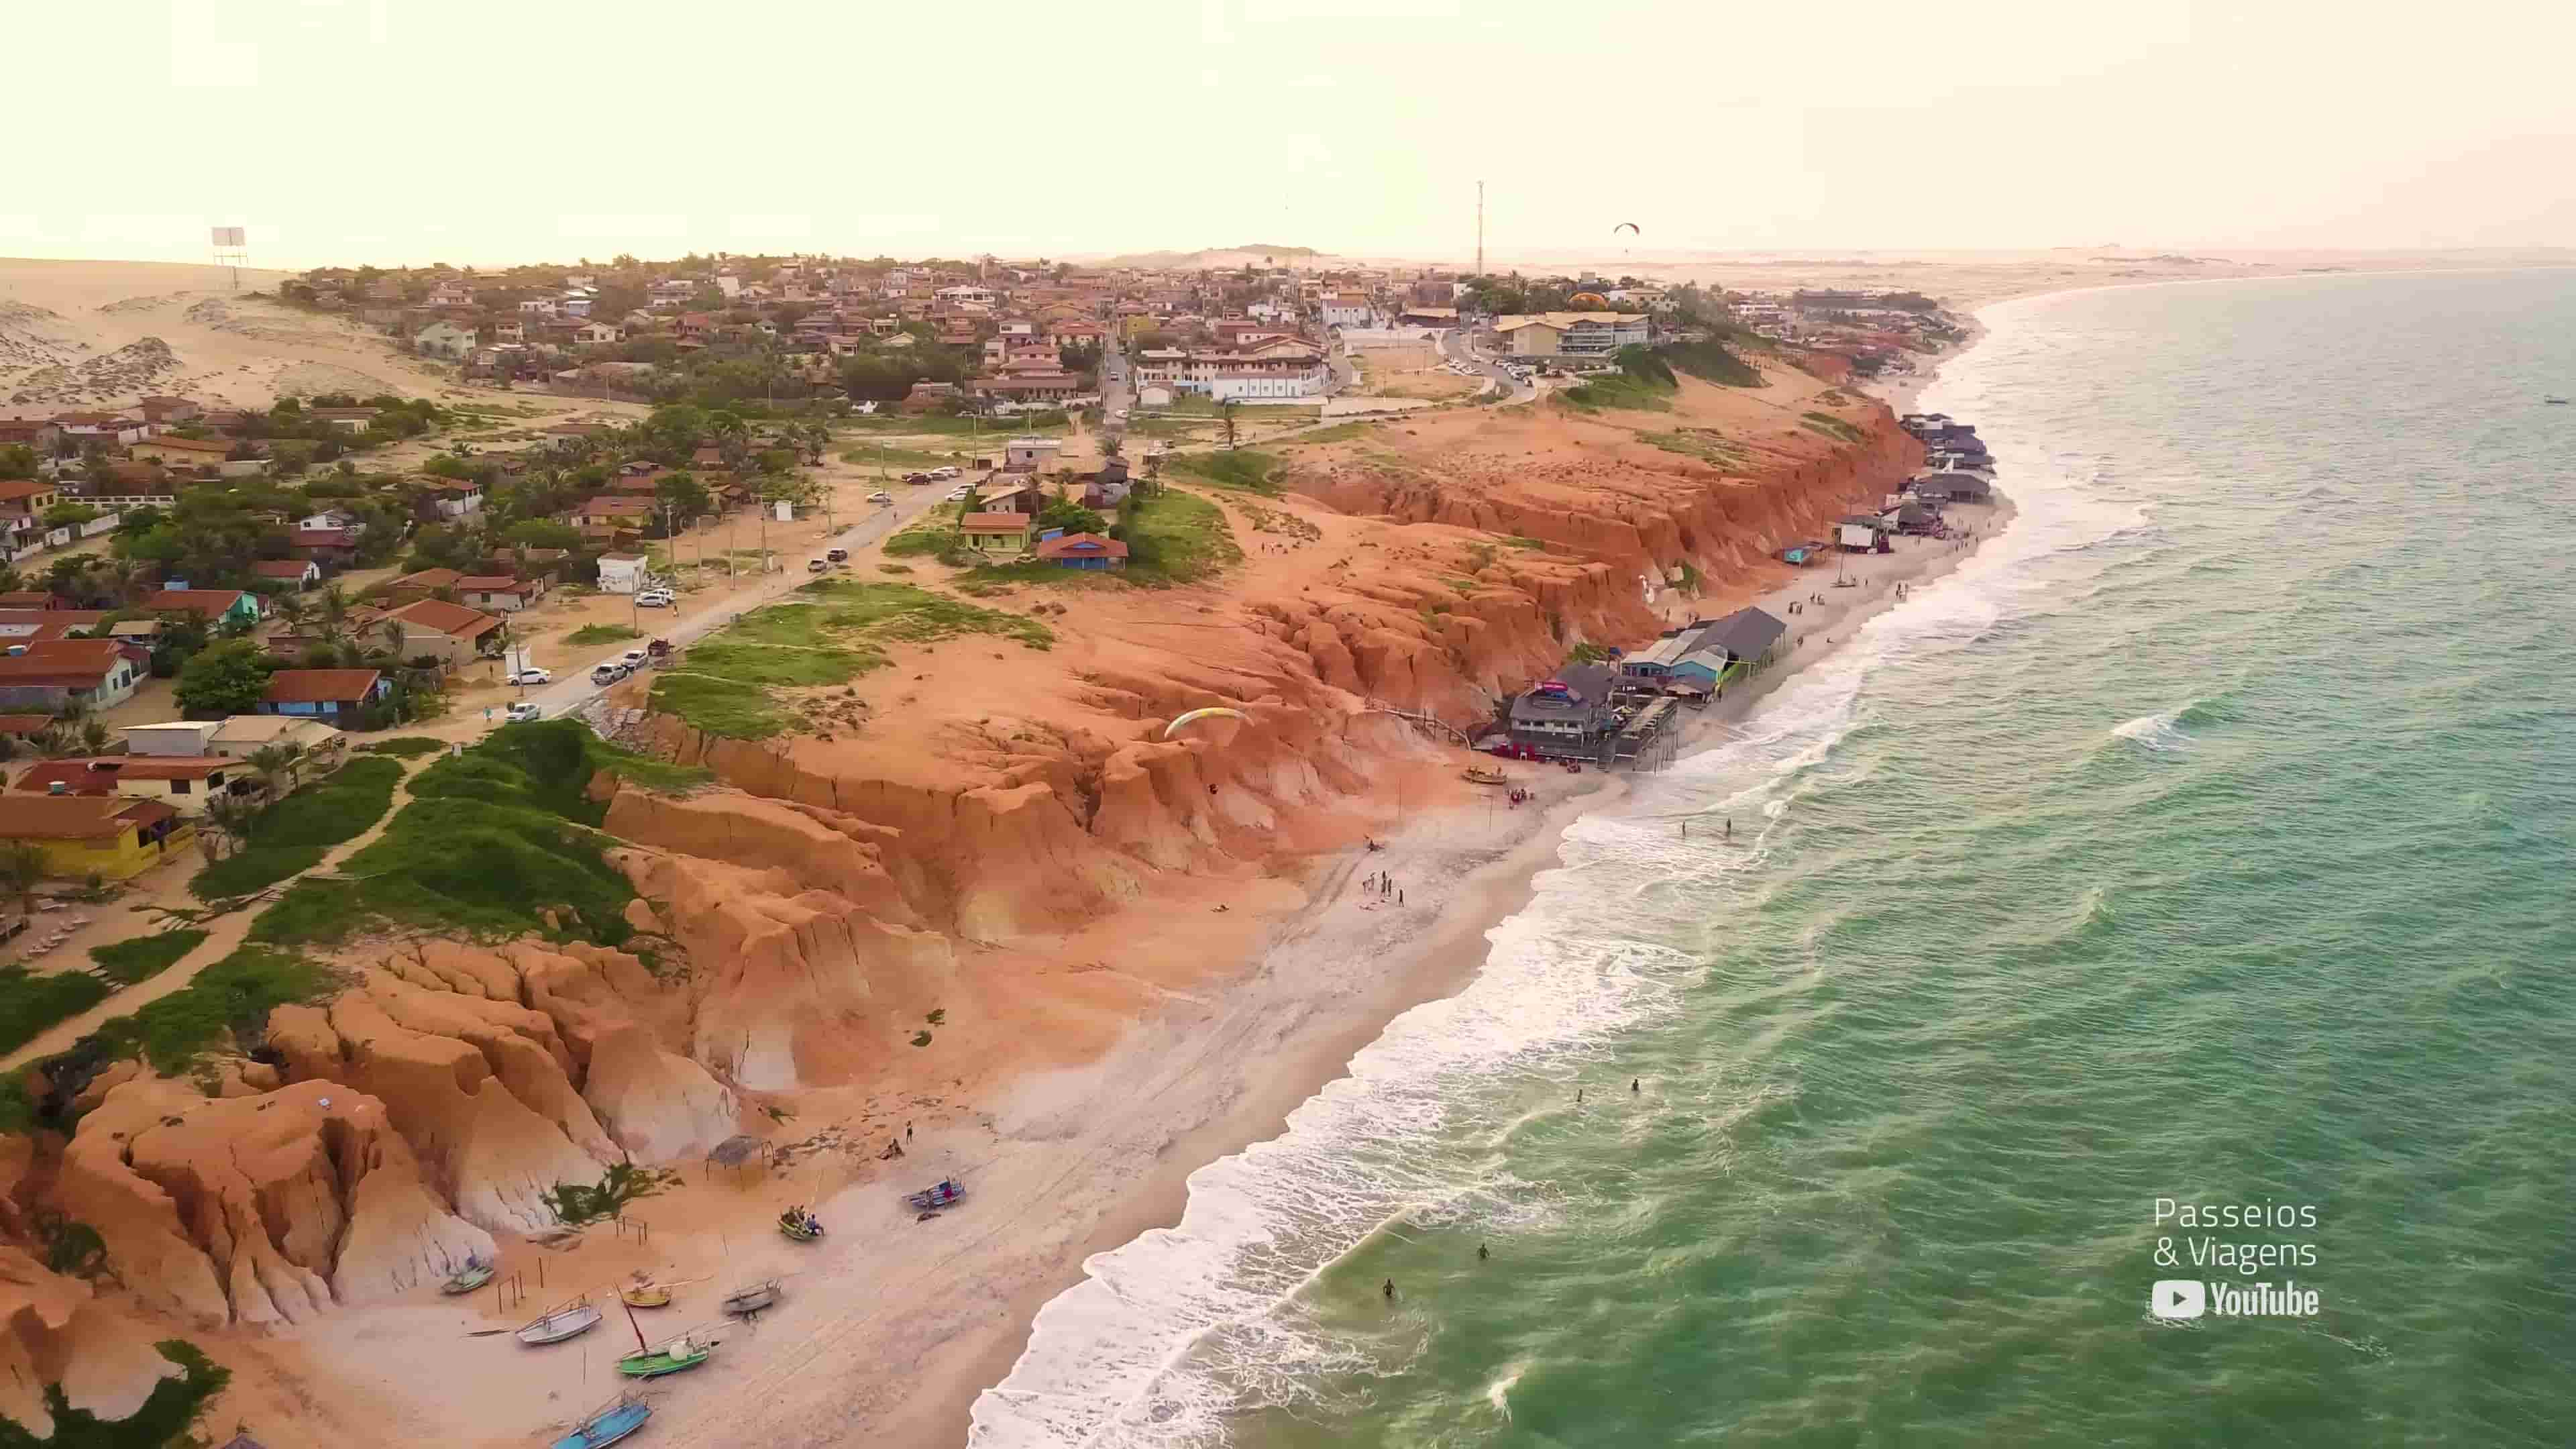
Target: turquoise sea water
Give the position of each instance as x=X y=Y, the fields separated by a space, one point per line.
x=2207 y=837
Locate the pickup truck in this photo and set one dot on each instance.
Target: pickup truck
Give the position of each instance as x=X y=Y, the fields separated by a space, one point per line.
x=609 y=673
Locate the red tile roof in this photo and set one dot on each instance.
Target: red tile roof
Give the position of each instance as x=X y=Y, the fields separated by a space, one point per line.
x=1083 y=545
x=204 y=603
x=75 y=817
x=454 y=620
x=320 y=686
x=997 y=523
x=25 y=724
x=99 y=776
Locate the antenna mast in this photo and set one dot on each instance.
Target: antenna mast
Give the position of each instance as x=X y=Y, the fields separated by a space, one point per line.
x=1480 y=228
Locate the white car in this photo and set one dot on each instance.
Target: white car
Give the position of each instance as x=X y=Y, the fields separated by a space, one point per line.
x=533 y=676
x=960 y=495
x=608 y=673
x=881 y=496
x=525 y=710
x=944 y=471
x=633 y=659
x=654 y=599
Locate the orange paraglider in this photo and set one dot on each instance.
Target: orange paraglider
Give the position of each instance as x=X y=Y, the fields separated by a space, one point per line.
x=1587 y=299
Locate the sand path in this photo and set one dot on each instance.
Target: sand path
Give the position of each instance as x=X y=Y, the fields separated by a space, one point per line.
x=224 y=935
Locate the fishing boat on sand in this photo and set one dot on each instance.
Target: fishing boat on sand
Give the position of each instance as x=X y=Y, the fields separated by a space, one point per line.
x=670 y=1356
x=1479 y=775
x=645 y=1291
x=565 y=1320
x=607 y=1424
x=947 y=1192
x=473 y=1275
x=752 y=1297
x=799 y=1225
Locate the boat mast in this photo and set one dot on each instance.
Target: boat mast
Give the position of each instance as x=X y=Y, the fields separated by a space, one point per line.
x=640 y=1345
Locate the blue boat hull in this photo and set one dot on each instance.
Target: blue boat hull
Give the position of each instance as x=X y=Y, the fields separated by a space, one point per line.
x=608 y=1428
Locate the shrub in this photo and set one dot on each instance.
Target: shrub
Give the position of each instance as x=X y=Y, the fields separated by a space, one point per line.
x=292 y=835
x=30 y=1003
x=144 y=957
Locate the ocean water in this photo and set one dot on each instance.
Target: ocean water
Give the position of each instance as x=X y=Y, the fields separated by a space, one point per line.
x=2207 y=837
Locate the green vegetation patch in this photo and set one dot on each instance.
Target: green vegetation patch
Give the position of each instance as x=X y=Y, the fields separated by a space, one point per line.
x=491 y=840
x=292 y=835
x=834 y=631
x=1644 y=383
x=1337 y=433
x=1242 y=469
x=1700 y=443
x=231 y=998
x=1711 y=362
x=1832 y=427
x=164 y=1419
x=934 y=533
x=144 y=957
x=868 y=454
x=404 y=747
x=1176 y=538
x=589 y=634
x=30 y=1003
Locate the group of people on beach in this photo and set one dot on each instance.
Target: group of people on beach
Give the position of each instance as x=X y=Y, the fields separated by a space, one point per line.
x=1383 y=884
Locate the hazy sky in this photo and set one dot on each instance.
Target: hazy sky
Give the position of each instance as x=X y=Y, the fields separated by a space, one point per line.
x=470 y=131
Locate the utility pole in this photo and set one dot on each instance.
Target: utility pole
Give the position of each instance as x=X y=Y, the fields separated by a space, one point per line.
x=1480 y=228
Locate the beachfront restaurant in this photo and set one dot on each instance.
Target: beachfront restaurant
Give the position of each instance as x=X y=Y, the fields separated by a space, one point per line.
x=1566 y=716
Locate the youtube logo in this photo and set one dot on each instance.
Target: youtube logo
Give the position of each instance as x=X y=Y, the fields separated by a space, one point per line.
x=2177 y=1298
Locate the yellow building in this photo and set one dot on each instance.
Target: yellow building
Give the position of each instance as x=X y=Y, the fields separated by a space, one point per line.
x=106 y=835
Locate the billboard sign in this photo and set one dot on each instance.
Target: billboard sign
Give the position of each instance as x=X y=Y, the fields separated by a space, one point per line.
x=229 y=237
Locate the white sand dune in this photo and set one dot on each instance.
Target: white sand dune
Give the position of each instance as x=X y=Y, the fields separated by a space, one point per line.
x=80 y=334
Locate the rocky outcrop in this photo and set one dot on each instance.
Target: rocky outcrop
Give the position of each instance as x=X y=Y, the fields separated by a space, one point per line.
x=258 y=1209
x=53 y=1329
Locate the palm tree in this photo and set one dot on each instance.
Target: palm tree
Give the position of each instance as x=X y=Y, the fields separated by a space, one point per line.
x=22 y=869
x=273 y=761
x=331 y=615
x=392 y=629
x=93 y=735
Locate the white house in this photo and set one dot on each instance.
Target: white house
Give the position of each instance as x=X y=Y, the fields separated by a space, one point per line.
x=537 y=307
x=1348 y=309
x=966 y=294
x=598 y=332
x=621 y=573
x=443 y=339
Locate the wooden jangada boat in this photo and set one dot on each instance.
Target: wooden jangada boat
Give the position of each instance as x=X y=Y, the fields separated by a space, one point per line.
x=607 y=1424
x=564 y=1320
x=670 y=1356
x=641 y=1291
x=473 y=1275
x=752 y=1297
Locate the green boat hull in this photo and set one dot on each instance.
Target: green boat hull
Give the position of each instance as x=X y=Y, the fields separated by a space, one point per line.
x=654 y=1365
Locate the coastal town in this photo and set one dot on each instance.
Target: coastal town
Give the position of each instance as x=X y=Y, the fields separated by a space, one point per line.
x=758 y=626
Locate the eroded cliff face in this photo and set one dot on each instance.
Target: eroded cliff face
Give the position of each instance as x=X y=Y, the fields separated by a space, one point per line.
x=428 y=1106
x=800 y=920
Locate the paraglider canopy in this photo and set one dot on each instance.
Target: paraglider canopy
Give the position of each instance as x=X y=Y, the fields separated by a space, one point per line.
x=1627 y=226
x=1174 y=727
x=1587 y=299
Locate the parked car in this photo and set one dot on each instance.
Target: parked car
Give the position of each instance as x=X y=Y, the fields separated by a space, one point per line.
x=959 y=495
x=815 y=566
x=837 y=555
x=944 y=472
x=921 y=477
x=533 y=676
x=654 y=599
x=880 y=496
x=608 y=673
x=525 y=709
x=633 y=659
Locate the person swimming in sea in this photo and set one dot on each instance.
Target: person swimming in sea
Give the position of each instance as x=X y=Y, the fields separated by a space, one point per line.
x=1389 y=1290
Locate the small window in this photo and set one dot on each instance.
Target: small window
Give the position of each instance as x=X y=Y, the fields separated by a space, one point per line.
x=182 y=787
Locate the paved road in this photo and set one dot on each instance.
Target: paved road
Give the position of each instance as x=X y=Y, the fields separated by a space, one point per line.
x=572 y=687
x=1453 y=345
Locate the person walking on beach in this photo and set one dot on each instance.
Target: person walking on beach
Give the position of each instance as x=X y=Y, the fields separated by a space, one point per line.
x=1730 y=827
x=1481 y=1254
x=1632 y=1085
